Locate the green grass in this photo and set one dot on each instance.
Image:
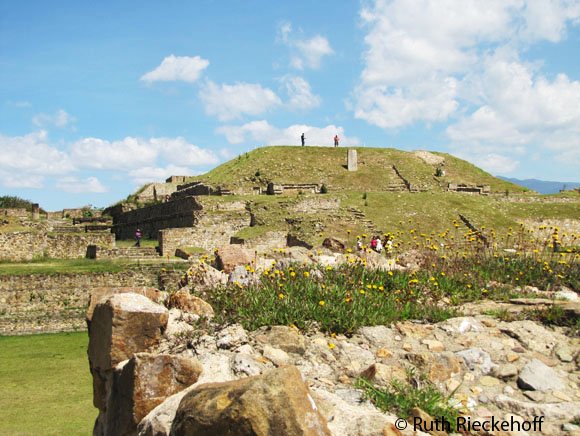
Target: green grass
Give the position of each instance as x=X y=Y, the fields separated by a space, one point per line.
x=325 y=165
x=342 y=299
x=78 y=266
x=126 y=243
x=45 y=385
x=404 y=395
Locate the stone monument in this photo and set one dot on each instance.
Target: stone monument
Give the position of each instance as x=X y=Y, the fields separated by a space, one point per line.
x=351 y=160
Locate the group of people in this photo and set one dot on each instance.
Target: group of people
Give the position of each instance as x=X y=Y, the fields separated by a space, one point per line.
x=378 y=245
x=303 y=140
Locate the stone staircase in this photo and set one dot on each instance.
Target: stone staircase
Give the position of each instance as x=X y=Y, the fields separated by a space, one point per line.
x=396 y=182
x=359 y=217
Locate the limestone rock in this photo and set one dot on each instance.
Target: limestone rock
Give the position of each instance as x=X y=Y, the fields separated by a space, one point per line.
x=142 y=384
x=568 y=411
x=123 y=325
x=537 y=376
x=375 y=261
x=230 y=256
x=242 y=276
x=158 y=421
x=334 y=244
x=505 y=372
x=186 y=302
x=277 y=356
x=477 y=360
x=461 y=325
x=566 y=294
x=532 y=335
x=202 y=277
x=277 y=402
x=379 y=336
x=346 y=418
x=564 y=353
x=100 y=294
x=247 y=364
x=285 y=338
x=232 y=336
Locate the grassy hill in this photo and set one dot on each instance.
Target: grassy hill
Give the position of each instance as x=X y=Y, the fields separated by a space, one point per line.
x=325 y=165
x=365 y=203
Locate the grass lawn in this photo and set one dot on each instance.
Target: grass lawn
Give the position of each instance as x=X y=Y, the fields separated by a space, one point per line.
x=81 y=266
x=45 y=385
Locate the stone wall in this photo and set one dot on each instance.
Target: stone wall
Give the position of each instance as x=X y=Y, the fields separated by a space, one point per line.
x=40 y=303
x=17 y=246
x=210 y=231
x=156 y=192
x=313 y=205
x=177 y=213
x=15 y=212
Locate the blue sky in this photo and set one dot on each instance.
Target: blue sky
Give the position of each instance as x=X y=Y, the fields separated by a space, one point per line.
x=97 y=98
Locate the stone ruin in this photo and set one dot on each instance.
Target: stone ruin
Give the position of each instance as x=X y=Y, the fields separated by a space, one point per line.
x=469 y=188
x=154 y=374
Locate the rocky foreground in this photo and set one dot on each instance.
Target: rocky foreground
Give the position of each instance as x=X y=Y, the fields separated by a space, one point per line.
x=155 y=374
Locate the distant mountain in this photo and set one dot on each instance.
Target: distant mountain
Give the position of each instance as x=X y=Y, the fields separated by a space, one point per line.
x=542 y=186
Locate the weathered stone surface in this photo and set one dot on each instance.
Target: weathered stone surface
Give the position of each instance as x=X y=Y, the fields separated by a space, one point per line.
x=568 y=411
x=537 y=376
x=158 y=421
x=347 y=418
x=564 y=353
x=202 y=276
x=277 y=402
x=380 y=336
x=123 y=325
x=461 y=325
x=566 y=294
x=285 y=338
x=505 y=372
x=477 y=360
x=230 y=256
x=143 y=383
x=232 y=336
x=532 y=336
x=334 y=244
x=277 y=356
x=247 y=365
x=186 y=302
x=100 y=294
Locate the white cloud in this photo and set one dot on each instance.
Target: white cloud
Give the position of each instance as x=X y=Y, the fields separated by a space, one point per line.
x=299 y=93
x=74 y=185
x=423 y=56
x=132 y=153
x=305 y=53
x=140 y=176
x=264 y=133
x=59 y=119
x=492 y=162
x=25 y=160
x=442 y=60
x=228 y=102
x=177 y=68
x=522 y=109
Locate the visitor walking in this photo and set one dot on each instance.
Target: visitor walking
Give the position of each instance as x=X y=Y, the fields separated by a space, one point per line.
x=303 y=139
x=138 y=236
x=336 y=139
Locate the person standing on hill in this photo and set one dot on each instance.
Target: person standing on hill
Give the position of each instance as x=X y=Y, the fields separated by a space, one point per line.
x=336 y=139
x=303 y=139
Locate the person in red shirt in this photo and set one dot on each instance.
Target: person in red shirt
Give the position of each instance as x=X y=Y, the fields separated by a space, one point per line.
x=336 y=139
